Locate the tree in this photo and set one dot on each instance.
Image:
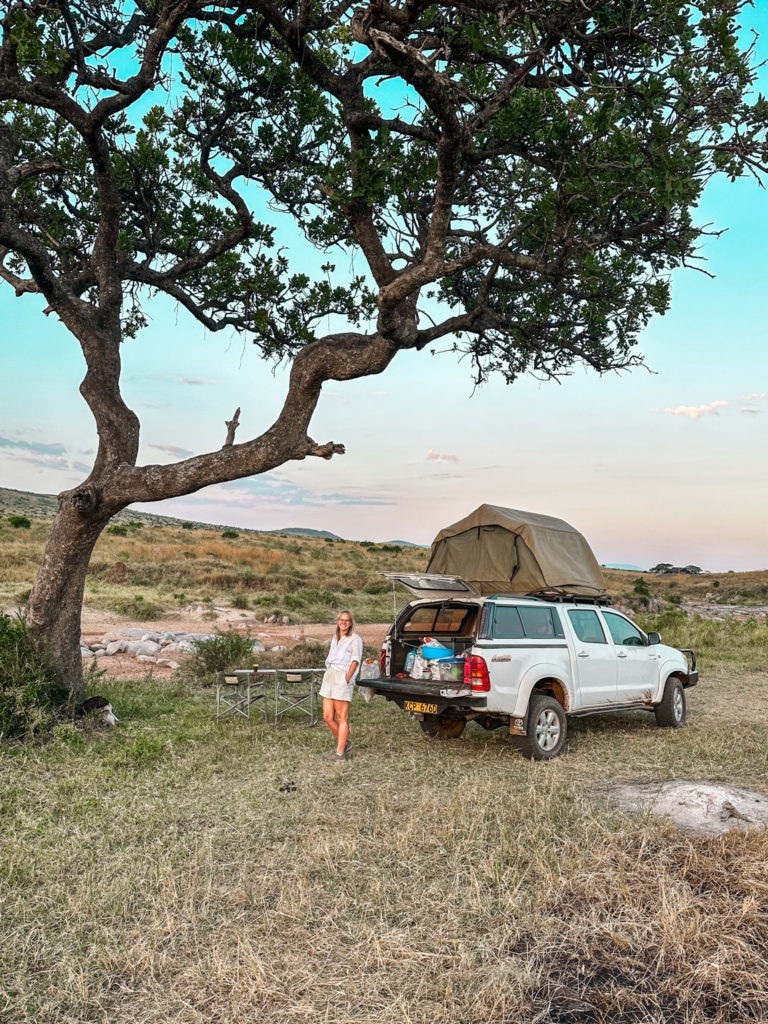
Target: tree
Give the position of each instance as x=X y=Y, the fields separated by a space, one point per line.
x=518 y=178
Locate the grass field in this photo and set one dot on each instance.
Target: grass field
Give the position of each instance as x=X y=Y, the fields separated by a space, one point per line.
x=179 y=870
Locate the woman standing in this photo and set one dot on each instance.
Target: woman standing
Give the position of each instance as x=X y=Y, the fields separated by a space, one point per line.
x=342 y=664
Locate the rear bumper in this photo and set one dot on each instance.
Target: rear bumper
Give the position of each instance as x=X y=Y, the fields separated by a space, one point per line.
x=444 y=694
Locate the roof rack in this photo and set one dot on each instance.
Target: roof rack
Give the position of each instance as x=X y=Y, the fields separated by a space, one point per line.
x=556 y=597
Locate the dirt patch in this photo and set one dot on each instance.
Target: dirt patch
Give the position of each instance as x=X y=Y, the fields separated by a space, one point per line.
x=699 y=808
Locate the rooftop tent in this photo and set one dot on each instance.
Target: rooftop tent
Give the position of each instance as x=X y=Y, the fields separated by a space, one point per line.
x=505 y=551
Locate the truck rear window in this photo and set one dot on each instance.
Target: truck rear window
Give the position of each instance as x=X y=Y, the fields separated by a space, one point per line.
x=525 y=622
x=438 y=619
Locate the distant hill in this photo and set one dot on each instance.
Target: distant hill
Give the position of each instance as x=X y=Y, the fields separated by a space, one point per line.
x=44 y=506
x=302 y=531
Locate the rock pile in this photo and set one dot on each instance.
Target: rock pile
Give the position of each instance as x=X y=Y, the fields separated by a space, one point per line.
x=152 y=647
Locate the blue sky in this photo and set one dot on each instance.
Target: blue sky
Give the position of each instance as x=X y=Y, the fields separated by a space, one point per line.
x=667 y=465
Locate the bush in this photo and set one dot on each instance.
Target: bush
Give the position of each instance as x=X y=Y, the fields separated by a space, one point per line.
x=230 y=534
x=19 y=522
x=139 y=609
x=118 y=530
x=221 y=653
x=30 y=695
x=240 y=601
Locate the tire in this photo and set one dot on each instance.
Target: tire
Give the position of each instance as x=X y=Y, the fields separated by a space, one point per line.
x=671 y=711
x=445 y=726
x=547 y=729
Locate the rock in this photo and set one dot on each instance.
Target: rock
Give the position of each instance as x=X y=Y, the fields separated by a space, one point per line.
x=86 y=652
x=116 y=647
x=146 y=657
x=279 y=647
x=285 y=621
x=183 y=647
x=258 y=646
x=145 y=647
x=169 y=662
x=154 y=637
x=167 y=638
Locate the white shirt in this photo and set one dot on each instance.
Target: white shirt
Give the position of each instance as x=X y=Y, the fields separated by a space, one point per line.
x=343 y=652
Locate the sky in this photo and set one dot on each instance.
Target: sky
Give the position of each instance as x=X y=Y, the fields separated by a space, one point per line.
x=664 y=464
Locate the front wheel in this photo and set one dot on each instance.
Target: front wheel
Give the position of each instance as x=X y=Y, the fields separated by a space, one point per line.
x=445 y=726
x=547 y=729
x=671 y=710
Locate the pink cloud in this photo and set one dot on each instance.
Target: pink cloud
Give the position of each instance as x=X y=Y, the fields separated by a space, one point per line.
x=695 y=412
x=437 y=457
x=172 y=449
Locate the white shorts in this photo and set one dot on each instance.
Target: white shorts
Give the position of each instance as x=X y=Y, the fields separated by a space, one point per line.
x=335 y=685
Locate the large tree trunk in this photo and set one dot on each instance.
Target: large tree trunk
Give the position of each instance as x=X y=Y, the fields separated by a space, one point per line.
x=54 y=607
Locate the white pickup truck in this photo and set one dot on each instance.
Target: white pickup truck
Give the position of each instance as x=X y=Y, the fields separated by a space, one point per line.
x=525 y=664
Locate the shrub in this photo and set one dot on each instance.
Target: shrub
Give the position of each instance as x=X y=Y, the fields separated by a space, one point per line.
x=240 y=601
x=187 y=526
x=137 y=608
x=221 y=653
x=29 y=692
x=117 y=530
x=19 y=522
x=230 y=534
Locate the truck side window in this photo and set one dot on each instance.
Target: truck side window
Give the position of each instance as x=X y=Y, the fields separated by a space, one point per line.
x=622 y=631
x=586 y=626
x=516 y=623
x=506 y=623
x=537 y=622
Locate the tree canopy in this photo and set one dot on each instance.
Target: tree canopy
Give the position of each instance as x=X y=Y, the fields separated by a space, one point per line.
x=514 y=181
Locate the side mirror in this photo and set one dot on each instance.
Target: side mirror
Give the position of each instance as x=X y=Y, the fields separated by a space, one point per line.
x=654 y=638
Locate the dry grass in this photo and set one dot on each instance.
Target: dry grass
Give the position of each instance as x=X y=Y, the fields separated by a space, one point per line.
x=170 y=567
x=174 y=870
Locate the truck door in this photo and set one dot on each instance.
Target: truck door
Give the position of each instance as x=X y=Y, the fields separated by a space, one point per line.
x=594 y=659
x=638 y=666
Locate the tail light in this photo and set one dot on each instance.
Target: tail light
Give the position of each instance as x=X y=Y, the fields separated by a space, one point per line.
x=476 y=673
x=383 y=661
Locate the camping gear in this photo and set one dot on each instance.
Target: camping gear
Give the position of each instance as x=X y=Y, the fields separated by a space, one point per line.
x=506 y=551
x=433 y=652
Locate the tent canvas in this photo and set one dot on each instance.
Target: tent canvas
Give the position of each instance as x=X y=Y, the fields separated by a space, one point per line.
x=506 y=551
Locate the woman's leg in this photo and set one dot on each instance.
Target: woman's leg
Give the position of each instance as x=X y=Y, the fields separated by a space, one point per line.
x=329 y=716
x=341 y=707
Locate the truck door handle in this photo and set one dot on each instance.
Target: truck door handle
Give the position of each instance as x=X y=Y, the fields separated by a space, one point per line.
x=582 y=654
x=621 y=654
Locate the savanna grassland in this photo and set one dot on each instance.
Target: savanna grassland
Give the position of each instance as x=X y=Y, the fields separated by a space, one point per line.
x=178 y=870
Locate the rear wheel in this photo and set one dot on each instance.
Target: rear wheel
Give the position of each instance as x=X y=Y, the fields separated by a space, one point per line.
x=446 y=726
x=547 y=729
x=671 y=711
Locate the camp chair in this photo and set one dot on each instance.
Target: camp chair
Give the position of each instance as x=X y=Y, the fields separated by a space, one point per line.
x=236 y=694
x=296 y=691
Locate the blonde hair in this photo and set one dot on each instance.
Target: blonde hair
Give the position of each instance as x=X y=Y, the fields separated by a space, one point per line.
x=346 y=611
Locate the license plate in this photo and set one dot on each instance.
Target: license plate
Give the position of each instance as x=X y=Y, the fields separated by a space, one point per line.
x=420 y=707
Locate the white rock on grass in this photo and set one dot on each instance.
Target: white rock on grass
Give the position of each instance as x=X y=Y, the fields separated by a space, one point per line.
x=146 y=657
x=116 y=647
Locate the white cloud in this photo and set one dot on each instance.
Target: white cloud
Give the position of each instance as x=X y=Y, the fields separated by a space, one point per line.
x=695 y=412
